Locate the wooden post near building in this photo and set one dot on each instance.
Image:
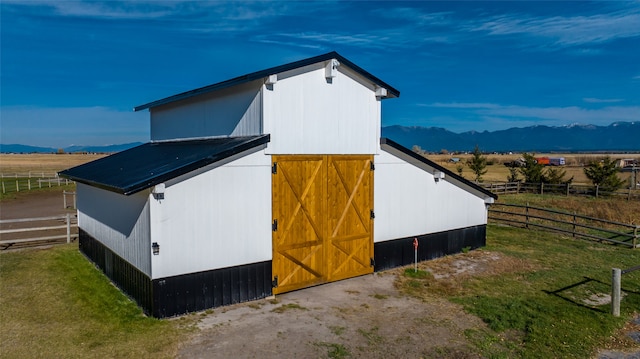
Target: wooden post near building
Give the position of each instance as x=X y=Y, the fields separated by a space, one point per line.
x=615 y=291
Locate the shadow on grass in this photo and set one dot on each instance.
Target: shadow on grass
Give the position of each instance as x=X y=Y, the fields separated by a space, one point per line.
x=558 y=293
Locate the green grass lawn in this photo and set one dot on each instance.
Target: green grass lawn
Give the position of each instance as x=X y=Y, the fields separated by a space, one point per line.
x=544 y=306
x=56 y=304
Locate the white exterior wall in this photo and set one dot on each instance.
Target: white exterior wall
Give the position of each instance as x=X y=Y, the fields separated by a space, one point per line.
x=307 y=115
x=119 y=222
x=234 y=111
x=216 y=219
x=408 y=201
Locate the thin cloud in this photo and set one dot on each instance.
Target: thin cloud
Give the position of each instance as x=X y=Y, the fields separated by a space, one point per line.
x=601 y=100
x=565 y=115
x=85 y=125
x=566 y=31
x=305 y=38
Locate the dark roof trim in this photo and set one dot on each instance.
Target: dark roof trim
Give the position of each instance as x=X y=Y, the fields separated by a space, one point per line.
x=408 y=152
x=139 y=178
x=392 y=92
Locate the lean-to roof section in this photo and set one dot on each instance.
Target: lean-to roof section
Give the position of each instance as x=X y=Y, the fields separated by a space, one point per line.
x=411 y=157
x=391 y=92
x=147 y=165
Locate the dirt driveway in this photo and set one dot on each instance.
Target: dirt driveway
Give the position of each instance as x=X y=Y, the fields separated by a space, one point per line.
x=362 y=317
x=33 y=204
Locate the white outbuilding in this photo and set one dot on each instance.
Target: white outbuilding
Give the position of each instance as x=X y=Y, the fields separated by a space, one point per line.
x=266 y=183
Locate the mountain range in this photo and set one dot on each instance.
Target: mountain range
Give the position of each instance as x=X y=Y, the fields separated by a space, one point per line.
x=618 y=136
x=16 y=148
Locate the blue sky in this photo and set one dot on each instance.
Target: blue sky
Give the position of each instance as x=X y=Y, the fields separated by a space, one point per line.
x=72 y=71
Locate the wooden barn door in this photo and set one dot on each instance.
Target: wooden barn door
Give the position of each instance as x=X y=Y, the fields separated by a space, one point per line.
x=322 y=228
x=349 y=216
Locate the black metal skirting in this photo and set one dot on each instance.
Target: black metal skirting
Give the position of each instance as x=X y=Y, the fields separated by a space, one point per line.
x=400 y=252
x=199 y=291
x=168 y=297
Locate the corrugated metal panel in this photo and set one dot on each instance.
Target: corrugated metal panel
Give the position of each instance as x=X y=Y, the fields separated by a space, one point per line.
x=305 y=114
x=400 y=252
x=392 y=92
x=144 y=166
x=408 y=201
x=120 y=223
x=219 y=218
x=199 y=291
x=231 y=112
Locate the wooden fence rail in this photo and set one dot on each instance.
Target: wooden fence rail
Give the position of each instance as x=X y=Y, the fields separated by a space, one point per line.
x=565 y=189
x=27 y=184
x=30 y=174
x=45 y=226
x=577 y=225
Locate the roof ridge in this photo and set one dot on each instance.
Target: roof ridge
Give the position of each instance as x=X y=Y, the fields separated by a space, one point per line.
x=270 y=71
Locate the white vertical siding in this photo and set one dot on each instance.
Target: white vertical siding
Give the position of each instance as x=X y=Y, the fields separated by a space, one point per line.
x=409 y=202
x=119 y=222
x=216 y=219
x=306 y=114
x=230 y=112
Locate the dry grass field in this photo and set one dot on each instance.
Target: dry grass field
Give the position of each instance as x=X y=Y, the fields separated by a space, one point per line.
x=37 y=162
x=497 y=172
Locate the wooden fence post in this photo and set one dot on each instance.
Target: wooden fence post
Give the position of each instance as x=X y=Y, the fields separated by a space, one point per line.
x=64 y=199
x=541 y=188
x=3 y=191
x=68 y=228
x=597 y=188
x=574 y=224
x=635 y=236
x=567 y=189
x=526 y=211
x=17 y=186
x=615 y=291
x=518 y=189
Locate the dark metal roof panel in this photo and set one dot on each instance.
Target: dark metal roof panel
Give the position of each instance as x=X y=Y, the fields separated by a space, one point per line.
x=408 y=152
x=147 y=165
x=392 y=92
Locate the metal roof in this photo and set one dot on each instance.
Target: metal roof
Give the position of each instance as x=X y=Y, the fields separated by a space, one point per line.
x=407 y=152
x=391 y=92
x=147 y=165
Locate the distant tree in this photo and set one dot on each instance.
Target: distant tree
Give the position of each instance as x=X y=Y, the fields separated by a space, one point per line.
x=60 y=151
x=477 y=164
x=417 y=149
x=513 y=175
x=444 y=151
x=532 y=171
x=459 y=169
x=604 y=174
x=554 y=175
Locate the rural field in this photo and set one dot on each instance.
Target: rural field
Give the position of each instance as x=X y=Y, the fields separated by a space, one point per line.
x=497 y=172
x=527 y=294
x=36 y=162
